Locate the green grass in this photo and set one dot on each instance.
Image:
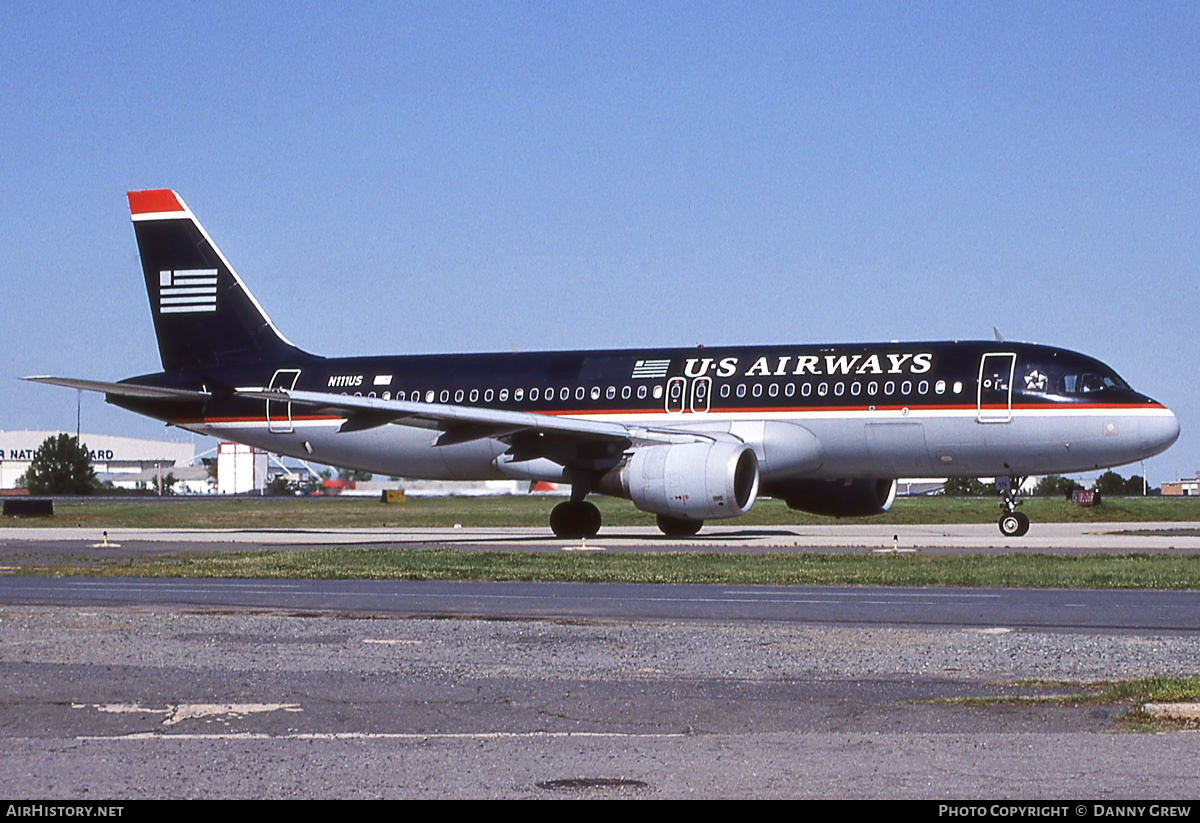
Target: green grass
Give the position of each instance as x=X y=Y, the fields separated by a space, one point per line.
x=534 y=511
x=1159 y=571
x=1136 y=571
x=1132 y=693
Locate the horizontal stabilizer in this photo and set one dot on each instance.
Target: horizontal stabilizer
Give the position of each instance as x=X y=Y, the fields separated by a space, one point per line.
x=123 y=389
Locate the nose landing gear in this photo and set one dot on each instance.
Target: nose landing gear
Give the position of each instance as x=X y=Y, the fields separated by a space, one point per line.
x=1012 y=523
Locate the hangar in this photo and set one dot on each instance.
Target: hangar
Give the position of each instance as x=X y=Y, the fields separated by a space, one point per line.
x=123 y=460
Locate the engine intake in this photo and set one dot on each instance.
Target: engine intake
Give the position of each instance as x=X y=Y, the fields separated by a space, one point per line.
x=691 y=481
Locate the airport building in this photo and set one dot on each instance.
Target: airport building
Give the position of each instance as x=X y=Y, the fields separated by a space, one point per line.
x=125 y=461
x=1184 y=487
x=240 y=469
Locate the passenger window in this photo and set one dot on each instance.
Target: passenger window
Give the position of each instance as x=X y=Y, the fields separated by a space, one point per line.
x=756 y=389
x=399 y=395
x=579 y=393
x=564 y=393
x=595 y=393
x=610 y=393
x=940 y=387
x=741 y=390
x=923 y=387
x=856 y=388
x=533 y=395
x=458 y=396
x=822 y=389
x=790 y=389
x=889 y=387
x=429 y=396
x=626 y=392
x=503 y=395
x=487 y=396
x=724 y=389
x=773 y=389
x=518 y=394
x=806 y=389
x=445 y=396
x=839 y=388
x=906 y=387
x=641 y=392
x=658 y=392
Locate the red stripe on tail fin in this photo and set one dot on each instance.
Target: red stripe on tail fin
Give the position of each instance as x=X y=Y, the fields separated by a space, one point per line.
x=154 y=201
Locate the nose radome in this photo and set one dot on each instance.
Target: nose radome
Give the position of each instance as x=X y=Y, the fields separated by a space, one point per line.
x=1159 y=431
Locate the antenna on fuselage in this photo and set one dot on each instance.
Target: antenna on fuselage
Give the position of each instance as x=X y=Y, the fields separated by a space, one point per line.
x=999 y=336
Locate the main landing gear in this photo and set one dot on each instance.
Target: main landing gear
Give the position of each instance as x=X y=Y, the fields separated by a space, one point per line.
x=575 y=519
x=1012 y=523
x=677 y=526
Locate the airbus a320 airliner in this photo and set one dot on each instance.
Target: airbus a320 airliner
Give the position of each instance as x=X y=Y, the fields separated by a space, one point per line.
x=687 y=434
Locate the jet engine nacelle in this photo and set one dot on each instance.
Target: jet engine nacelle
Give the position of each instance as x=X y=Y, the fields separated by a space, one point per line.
x=836 y=498
x=690 y=481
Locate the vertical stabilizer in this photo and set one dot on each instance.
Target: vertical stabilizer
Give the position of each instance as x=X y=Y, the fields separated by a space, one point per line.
x=204 y=316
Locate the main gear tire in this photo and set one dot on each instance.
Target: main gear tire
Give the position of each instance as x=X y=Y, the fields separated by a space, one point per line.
x=678 y=527
x=575 y=520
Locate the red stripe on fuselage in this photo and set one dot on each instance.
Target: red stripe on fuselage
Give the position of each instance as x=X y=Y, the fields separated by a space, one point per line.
x=256 y=419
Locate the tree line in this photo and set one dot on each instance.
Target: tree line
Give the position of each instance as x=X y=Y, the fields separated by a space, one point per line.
x=1053 y=485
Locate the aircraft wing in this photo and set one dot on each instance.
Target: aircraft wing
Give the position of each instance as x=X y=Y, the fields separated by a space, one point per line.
x=122 y=389
x=463 y=423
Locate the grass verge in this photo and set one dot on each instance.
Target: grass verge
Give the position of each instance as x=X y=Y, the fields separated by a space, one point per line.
x=1132 y=693
x=1128 y=571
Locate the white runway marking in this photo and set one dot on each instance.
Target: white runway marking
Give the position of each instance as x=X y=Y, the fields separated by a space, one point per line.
x=386 y=736
x=191 y=711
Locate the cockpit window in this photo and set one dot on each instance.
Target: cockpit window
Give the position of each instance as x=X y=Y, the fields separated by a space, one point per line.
x=1090 y=382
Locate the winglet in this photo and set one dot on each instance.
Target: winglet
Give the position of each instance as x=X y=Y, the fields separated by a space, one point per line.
x=156 y=204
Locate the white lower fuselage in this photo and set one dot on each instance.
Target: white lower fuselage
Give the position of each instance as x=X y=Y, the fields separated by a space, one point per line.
x=816 y=444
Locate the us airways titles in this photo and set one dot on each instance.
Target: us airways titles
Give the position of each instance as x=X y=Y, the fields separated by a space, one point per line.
x=827 y=364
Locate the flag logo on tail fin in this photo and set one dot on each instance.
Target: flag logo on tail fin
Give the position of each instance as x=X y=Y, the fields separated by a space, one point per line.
x=187 y=291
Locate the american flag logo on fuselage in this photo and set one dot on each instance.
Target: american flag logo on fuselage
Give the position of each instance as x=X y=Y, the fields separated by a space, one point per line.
x=187 y=291
x=650 y=369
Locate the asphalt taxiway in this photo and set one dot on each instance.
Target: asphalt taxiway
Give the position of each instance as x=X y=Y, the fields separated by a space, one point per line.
x=21 y=546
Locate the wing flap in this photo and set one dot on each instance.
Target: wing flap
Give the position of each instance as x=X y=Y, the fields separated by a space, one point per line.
x=461 y=424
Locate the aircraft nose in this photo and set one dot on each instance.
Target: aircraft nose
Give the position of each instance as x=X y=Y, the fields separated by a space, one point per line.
x=1159 y=431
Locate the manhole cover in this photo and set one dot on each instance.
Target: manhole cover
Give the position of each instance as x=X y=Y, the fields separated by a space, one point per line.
x=576 y=784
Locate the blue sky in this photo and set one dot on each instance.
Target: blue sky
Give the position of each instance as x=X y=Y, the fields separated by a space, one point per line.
x=422 y=177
